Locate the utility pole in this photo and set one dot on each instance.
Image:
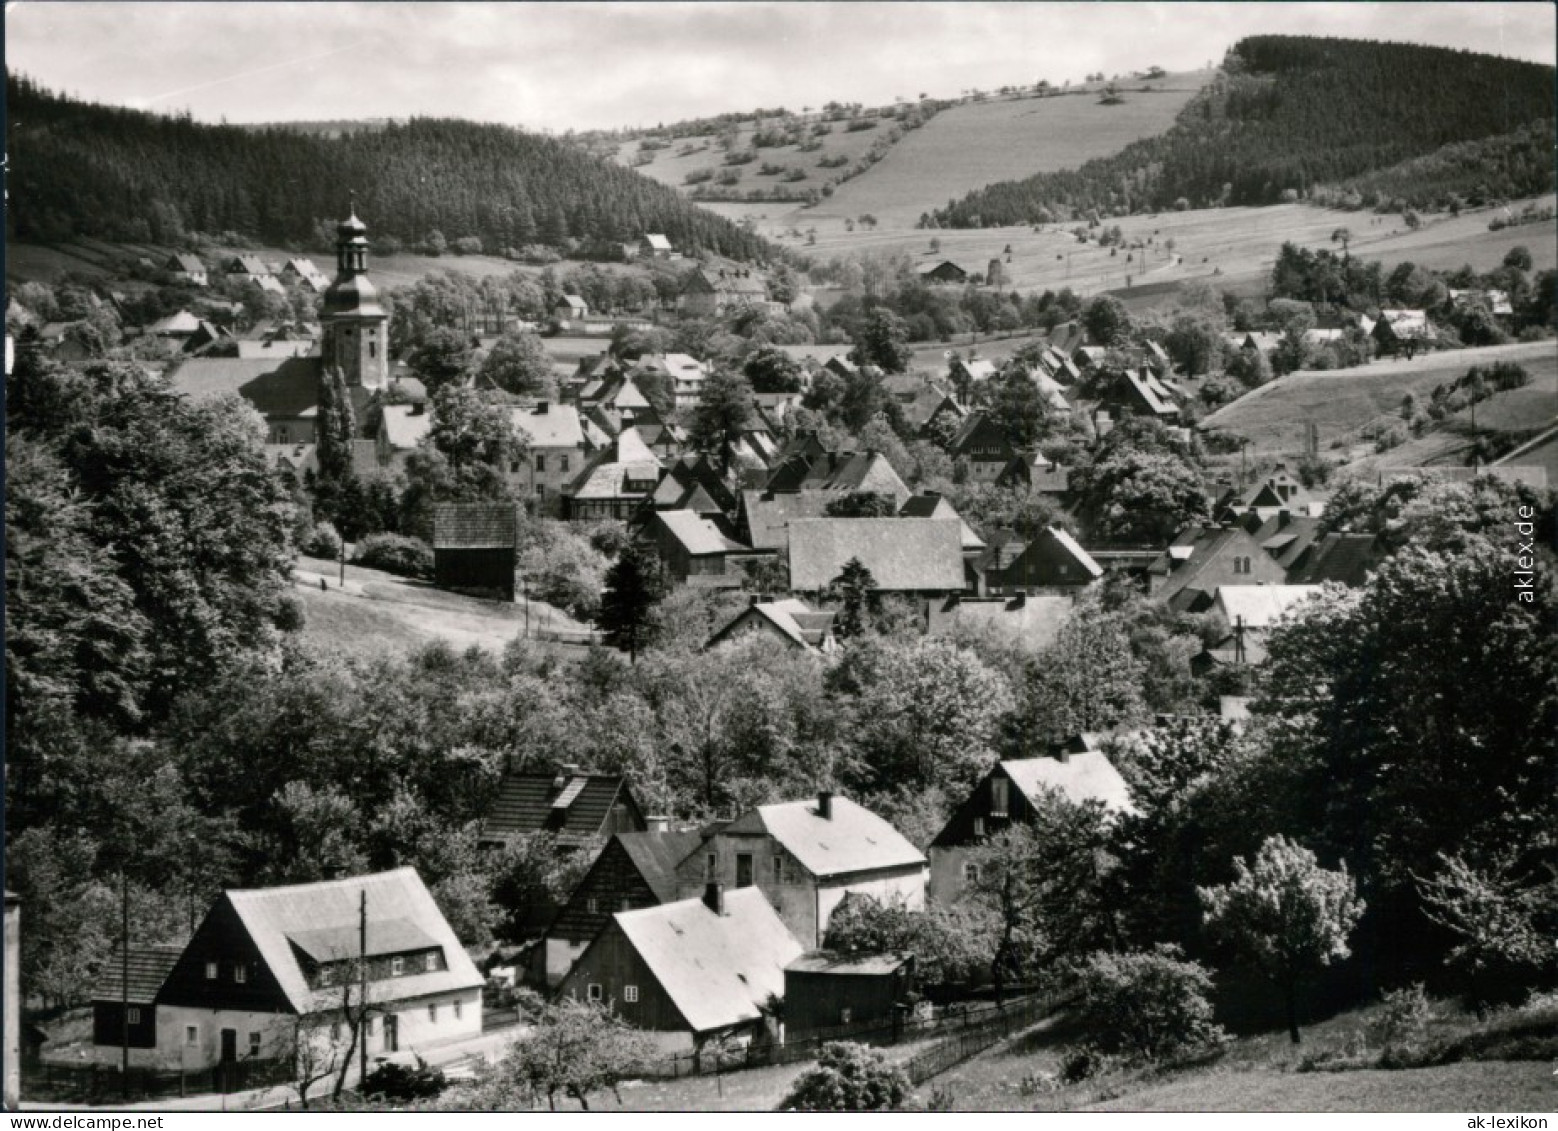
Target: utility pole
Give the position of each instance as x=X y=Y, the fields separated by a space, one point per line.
x=362 y=988
x=341 y=581
x=124 y=985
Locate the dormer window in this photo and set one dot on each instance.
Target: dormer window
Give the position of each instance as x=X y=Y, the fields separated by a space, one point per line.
x=430 y=963
x=327 y=975
x=397 y=967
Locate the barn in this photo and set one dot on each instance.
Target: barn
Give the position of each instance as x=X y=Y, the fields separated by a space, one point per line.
x=474 y=547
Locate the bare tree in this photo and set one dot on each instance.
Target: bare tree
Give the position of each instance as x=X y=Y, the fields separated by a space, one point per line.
x=313 y=1048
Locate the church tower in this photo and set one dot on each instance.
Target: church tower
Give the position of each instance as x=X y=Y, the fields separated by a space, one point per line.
x=355 y=325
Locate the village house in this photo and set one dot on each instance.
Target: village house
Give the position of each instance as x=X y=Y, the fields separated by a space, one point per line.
x=615 y=482
x=693 y=483
x=921 y=557
x=573 y=806
x=251 y=265
x=790 y=621
x=655 y=246
x=695 y=551
x=837 y=473
x=826 y=990
x=1135 y=392
x=691 y=972
x=568 y=309
x=1051 y=560
x=556 y=453
x=965 y=373
x=709 y=293
x=1267 y=497
x=184 y=268
x=475 y=547
x=264 y=962
x=806 y=856
x=982 y=445
x=1010 y=794
x=634 y=870
x=1404 y=332
x=1032 y=623
x=933 y=504
x=1250 y=612
x=941 y=271
x=1200 y=559
x=401 y=429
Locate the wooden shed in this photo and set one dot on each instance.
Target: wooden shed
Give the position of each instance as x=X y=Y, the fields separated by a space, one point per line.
x=474 y=547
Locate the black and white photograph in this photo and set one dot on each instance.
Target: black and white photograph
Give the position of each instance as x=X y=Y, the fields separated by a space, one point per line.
x=767 y=556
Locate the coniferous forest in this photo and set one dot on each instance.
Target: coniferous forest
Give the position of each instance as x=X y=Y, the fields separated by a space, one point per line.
x=84 y=169
x=1289 y=117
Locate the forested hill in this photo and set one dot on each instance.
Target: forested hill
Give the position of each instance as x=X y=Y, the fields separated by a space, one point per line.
x=1289 y=114
x=84 y=169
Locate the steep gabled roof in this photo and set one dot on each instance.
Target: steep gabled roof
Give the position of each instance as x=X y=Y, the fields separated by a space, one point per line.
x=572 y=806
x=149 y=967
x=932 y=504
x=914 y=554
x=797 y=621
x=1344 y=558
x=718 y=970
x=851 y=841
x=696 y=534
x=549 y=425
x=1084 y=776
x=275 y=387
x=767 y=518
x=656 y=856
x=475 y=526
x=401 y=911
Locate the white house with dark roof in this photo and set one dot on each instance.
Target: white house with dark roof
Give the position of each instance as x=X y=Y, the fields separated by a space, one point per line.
x=1011 y=793
x=688 y=972
x=806 y=856
x=262 y=959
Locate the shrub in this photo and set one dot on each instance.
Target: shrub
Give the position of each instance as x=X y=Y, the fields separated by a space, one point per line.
x=1148 y=1004
x=1403 y=1020
x=290 y=616
x=1083 y=1062
x=849 y=1077
x=322 y=542
x=393 y=1081
x=396 y=553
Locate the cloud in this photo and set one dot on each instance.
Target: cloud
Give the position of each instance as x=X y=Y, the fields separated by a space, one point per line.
x=598 y=65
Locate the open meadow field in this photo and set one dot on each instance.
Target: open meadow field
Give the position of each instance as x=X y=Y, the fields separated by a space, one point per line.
x=1232 y=248
x=1273 y=417
x=1517 y=415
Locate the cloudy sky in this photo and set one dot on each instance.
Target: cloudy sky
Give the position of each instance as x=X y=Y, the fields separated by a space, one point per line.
x=586 y=65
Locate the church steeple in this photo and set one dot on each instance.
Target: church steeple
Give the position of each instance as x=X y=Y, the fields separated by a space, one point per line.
x=354 y=322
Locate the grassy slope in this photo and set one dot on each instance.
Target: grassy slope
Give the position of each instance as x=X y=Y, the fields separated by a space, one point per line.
x=1273 y=417
x=1519 y=412
x=978 y=143
x=379 y=613
x=1255 y=1074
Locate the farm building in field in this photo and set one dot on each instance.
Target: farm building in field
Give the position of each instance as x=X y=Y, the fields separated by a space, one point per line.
x=806 y=856
x=475 y=546
x=1011 y=793
x=826 y=990
x=264 y=964
x=692 y=971
x=655 y=246
x=941 y=271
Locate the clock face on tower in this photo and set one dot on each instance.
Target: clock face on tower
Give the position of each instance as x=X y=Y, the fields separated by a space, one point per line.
x=354 y=321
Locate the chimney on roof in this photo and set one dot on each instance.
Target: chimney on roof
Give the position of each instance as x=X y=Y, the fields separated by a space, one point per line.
x=825 y=804
x=658 y=823
x=754 y=600
x=541 y=407
x=1063 y=753
x=714 y=897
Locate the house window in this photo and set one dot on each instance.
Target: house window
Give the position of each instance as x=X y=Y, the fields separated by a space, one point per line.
x=133 y=1016
x=971 y=873
x=540 y=490
x=191 y=1034
x=373 y=349
x=712 y=866
x=592 y=904
x=998 y=797
x=397 y=966
x=327 y=975
x=594 y=992
x=778 y=869
x=240 y=973
x=432 y=1013
x=254 y=1044
x=430 y=963
x=459 y=1010
x=627 y=904
x=213 y=971
x=630 y=994
x=564 y=460
x=846 y=1015
x=979 y=826
x=540 y=463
